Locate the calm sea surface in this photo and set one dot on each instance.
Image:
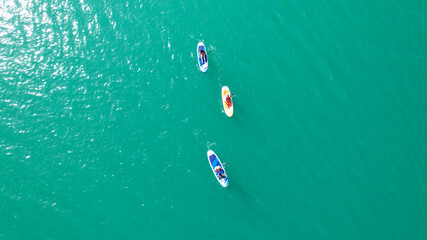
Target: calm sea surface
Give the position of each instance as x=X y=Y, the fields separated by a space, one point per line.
x=105 y=119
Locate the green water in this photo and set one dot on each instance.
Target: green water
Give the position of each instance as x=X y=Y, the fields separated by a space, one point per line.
x=105 y=119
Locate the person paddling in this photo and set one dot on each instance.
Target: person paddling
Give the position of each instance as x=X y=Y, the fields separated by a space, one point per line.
x=228 y=101
x=220 y=172
x=203 y=56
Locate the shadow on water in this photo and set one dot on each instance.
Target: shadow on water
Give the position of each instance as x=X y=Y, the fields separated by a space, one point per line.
x=237 y=190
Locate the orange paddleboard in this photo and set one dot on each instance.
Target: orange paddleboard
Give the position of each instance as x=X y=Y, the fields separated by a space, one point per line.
x=228 y=107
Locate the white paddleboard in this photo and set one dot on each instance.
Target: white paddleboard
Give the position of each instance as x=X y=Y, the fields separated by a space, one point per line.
x=203 y=63
x=214 y=162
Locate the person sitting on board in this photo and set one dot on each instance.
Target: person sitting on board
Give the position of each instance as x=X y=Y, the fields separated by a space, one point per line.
x=203 y=57
x=228 y=101
x=220 y=172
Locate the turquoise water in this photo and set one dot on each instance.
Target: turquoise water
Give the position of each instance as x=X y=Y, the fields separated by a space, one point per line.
x=105 y=120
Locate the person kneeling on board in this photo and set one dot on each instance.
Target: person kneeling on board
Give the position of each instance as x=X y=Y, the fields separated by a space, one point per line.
x=220 y=172
x=228 y=101
x=203 y=56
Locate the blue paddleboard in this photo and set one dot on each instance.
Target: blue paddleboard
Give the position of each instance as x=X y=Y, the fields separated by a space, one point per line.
x=214 y=162
x=203 y=62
